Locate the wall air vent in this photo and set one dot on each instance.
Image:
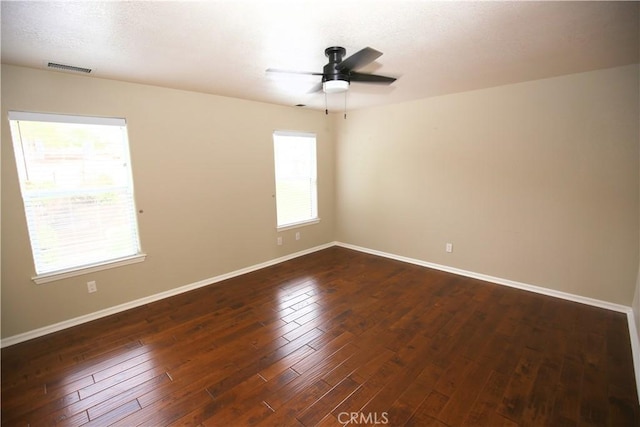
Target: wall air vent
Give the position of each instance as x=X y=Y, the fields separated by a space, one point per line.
x=64 y=67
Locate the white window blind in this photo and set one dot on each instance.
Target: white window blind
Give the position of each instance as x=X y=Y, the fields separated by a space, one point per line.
x=77 y=188
x=296 y=178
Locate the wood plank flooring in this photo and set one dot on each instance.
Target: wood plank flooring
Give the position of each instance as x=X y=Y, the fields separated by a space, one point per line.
x=333 y=338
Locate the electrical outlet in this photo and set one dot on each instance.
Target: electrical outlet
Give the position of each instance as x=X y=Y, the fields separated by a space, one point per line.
x=449 y=247
x=279 y=240
x=92 y=287
x=298 y=235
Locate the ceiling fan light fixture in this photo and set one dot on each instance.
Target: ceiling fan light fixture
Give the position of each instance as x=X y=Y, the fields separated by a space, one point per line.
x=335 y=86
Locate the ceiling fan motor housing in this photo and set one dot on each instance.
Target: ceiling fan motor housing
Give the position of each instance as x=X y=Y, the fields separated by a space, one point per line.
x=330 y=72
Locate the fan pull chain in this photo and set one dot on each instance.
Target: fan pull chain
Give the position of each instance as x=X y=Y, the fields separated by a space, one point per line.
x=326 y=108
x=345 y=104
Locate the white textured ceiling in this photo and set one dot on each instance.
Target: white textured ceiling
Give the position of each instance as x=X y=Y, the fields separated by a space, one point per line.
x=224 y=47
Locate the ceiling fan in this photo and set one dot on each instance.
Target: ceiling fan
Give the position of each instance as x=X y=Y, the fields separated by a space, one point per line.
x=338 y=73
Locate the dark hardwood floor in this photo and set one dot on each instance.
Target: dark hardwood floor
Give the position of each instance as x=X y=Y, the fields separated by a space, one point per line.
x=337 y=337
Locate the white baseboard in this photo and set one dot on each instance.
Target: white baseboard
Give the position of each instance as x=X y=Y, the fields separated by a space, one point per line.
x=15 y=339
x=635 y=348
x=633 y=333
x=493 y=279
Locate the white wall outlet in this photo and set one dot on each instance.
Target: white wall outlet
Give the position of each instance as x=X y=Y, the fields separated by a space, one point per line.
x=449 y=247
x=279 y=240
x=92 y=287
x=298 y=235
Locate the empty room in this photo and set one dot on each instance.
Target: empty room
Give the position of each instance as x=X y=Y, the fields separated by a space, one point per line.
x=320 y=213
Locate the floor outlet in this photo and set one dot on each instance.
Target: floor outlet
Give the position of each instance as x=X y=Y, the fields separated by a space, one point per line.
x=92 y=287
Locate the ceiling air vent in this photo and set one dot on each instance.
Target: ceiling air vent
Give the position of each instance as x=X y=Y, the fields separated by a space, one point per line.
x=64 y=67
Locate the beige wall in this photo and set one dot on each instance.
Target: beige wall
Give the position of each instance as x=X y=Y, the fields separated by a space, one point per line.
x=534 y=182
x=203 y=174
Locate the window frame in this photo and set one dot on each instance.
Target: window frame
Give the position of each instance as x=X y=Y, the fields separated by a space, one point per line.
x=309 y=221
x=50 y=276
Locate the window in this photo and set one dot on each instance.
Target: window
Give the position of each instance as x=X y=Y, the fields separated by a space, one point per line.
x=77 y=189
x=296 y=184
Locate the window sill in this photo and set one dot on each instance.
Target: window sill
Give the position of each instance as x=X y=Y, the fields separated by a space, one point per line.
x=299 y=224
x=64 y=274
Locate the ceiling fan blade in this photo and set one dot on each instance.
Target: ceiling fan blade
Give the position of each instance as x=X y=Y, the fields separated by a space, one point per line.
x=370 y=78
x=359 y=59
x=316 y=88
x=275 y=70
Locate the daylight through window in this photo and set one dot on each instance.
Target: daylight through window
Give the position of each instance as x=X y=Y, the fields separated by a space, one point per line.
x=75 y=178
x=296 y=180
